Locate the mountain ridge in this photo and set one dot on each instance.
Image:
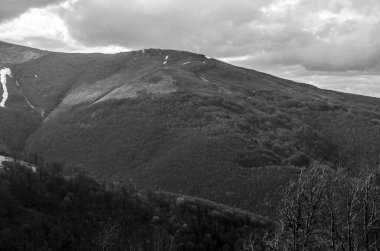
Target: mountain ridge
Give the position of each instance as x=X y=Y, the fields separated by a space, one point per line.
x=14 y=54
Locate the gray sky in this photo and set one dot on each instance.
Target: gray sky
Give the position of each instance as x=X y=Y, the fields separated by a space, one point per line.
x=334 y=44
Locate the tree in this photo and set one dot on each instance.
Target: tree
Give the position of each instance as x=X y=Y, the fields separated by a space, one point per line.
x=328 y=209
x=302 y=209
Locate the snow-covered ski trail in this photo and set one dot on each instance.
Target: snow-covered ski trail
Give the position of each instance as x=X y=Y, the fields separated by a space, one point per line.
x=3 y=78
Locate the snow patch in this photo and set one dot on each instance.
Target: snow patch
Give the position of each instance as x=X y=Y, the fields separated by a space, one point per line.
x=207 y=57
x=26 y=99
x=4 y=159
x=205 y=80
x=166 y=60
x=186 y=63
x=23 y=163
x=35 y=76
x=31 y=106
x=3 y=78
x=143 y=51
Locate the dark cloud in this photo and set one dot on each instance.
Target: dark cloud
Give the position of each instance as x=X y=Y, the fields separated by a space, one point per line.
x=324 y=35
x=13 y=8
x=216 y=27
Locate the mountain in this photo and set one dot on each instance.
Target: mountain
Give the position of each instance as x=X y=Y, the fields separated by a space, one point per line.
x=182 y=122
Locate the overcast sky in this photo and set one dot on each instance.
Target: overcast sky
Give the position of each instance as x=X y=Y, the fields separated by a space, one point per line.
x=334 y=44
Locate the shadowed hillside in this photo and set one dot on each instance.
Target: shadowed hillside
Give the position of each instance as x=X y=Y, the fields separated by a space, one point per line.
x=42 y=210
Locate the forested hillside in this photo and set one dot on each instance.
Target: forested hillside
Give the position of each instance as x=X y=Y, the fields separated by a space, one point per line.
x=43 y=210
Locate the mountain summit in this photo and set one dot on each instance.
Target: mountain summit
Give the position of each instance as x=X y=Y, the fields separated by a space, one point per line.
x=179 y=121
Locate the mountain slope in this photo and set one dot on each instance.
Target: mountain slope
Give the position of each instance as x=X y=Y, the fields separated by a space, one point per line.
x=185 y=123
x=18 y=117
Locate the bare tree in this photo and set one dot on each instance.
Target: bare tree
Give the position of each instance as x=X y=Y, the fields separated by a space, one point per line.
x=370 y=205
x=330 y=210
x=301 y=210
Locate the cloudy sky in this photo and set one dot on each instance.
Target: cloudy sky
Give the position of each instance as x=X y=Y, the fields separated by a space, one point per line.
x=334 y=44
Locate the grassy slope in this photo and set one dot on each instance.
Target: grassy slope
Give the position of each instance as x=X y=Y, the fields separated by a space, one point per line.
x=11 y=54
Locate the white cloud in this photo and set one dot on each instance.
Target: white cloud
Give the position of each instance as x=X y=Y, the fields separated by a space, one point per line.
x=280 y=8
x=36 y=23
x=44 y=28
